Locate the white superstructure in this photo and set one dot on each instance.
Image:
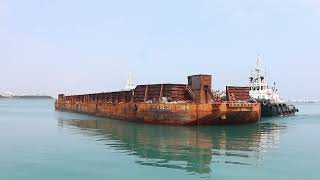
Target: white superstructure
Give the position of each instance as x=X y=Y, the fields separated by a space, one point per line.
x=130 y=85
x=259 y=86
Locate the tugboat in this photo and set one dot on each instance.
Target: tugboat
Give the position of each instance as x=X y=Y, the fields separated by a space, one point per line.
x=269 y=98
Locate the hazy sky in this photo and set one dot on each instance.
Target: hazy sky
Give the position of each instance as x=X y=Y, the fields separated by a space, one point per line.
x=80 y=46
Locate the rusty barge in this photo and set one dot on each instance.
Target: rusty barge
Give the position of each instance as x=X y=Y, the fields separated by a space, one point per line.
x=171 y=104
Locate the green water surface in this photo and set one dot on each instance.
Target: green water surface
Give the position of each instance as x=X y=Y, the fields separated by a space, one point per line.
x=38 y=143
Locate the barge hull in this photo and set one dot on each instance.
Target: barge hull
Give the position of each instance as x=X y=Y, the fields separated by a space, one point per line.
x=171 y=114
x=173 y=104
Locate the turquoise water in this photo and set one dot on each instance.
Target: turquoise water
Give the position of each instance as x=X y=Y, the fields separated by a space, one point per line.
x=39 y=143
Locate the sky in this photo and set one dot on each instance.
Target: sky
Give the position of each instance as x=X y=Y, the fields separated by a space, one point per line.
x=80 y=46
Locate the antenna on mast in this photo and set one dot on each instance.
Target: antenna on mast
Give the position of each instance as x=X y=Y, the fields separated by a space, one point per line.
x=258 y=62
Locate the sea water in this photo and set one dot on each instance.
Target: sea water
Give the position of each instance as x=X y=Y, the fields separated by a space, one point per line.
x=39 y=143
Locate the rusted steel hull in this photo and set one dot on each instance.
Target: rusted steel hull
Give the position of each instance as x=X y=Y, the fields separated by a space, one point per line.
x=171 y=113
x=173 y=104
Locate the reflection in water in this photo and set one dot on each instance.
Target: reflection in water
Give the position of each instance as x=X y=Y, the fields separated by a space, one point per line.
x=193 y=149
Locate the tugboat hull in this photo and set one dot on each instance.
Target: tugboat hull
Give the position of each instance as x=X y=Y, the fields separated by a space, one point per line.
x=269 y=109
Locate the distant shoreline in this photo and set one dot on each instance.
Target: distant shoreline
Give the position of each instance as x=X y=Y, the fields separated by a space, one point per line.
x=306 y=102
x=27 y=97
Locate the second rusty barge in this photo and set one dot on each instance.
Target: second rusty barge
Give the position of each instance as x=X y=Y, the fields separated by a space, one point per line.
x=172 y=104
